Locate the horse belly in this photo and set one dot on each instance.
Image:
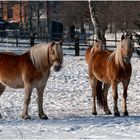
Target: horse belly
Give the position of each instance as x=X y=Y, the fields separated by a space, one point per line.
x=102 y=78
x=13 y=83
x=101 y=75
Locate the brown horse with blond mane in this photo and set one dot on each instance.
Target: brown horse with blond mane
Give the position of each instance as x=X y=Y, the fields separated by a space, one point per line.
x=111 y=68
x=30 y=70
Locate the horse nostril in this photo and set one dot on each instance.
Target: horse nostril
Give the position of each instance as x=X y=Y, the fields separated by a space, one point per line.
x=126 y=59
x=57 y=67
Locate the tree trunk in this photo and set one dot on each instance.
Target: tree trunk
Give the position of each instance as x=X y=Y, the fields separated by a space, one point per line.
x=82 y=28
x=47 y=20
x=30 y=16
x=1 y=9
x=21 y=25
x=38 y=18
x=99 y=29
x=94 y=20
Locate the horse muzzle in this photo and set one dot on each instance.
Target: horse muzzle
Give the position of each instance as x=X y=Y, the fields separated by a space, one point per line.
x=126 y=59
x=57 y=68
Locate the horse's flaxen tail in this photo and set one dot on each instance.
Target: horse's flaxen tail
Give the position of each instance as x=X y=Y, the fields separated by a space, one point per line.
x=100 y=95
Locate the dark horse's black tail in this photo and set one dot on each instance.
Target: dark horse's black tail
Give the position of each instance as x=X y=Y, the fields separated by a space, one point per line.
x=100 y=95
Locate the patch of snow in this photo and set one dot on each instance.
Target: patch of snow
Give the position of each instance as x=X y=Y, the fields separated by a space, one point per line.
x=68 y=102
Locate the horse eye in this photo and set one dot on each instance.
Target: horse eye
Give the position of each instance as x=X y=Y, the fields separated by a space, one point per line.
x=52 y=52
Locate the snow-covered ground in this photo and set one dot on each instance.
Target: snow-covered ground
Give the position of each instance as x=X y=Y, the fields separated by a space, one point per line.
x=67 y=102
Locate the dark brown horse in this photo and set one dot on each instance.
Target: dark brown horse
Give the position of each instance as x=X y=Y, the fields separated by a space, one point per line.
x=30 y=70
x=111 y=68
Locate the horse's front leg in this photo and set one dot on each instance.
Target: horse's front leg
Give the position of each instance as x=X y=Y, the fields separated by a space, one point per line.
x=115 y=96
x=125 y=87
x=27 y=97
x=105 y=92
x=41 y=113
x=93 y=83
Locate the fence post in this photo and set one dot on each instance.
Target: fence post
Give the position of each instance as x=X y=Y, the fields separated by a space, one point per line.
x=32 y=38
x=77 y=45
x=16 y=35
x=16 y=41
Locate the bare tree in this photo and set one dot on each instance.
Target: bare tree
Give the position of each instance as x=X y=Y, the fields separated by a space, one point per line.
x=94 y=20
x=121 y=14
x=124 y=14
x=73 y=12
x=99 y=12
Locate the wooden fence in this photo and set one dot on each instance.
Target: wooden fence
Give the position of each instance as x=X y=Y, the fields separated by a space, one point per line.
x=28 y=39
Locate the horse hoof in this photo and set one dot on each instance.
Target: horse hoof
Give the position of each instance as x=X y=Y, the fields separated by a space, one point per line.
x=125 y=114
x=26 y=117
x=108 y=113
x=117 y=114
x=43 y=117
x=94 y=113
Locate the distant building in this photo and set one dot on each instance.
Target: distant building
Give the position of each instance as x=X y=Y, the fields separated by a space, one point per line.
x=14 y=11
x=38 y=16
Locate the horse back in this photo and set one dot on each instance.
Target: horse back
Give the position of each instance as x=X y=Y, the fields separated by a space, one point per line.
x=91 y=51
x=97 y=63
x=105 y=69
x=8 y=59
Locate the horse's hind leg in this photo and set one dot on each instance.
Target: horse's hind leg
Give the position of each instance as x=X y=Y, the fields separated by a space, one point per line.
x=41 y=113
x=125 y=87
x=115 y=96
x=93 y=83
x=105 y=91
x=2 y=88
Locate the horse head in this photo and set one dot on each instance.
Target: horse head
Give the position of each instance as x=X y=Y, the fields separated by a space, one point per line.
x=127 y=35
x=127 y=46
x=56 y=55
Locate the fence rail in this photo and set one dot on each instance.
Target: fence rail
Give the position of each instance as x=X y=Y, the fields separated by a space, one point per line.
x=27 y=39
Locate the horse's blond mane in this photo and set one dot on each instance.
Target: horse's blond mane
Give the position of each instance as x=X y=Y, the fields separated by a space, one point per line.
x=117 y=54
x=39 y=55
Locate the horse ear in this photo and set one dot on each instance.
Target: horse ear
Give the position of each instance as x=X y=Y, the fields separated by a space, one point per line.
x=122 y=37
x=52 y=43
x=96 y=40
x=130 y=37
x=60 y=42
